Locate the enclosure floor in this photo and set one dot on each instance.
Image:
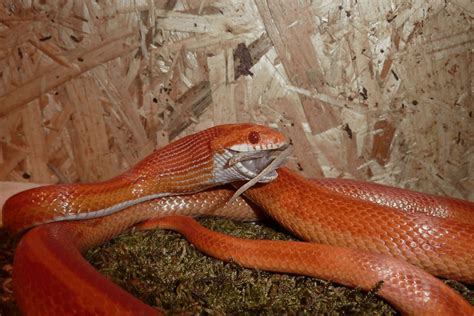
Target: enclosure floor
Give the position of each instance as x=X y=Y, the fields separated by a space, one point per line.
x=165 y=271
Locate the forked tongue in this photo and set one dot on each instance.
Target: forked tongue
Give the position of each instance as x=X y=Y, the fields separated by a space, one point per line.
x=279 y=159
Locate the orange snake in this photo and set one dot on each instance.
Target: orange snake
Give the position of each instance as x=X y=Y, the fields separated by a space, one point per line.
x=429 y=232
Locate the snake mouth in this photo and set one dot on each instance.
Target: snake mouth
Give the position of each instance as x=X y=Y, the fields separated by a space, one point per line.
x=251 y=163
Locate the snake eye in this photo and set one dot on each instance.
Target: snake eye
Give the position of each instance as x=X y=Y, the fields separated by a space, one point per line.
x=254 y=137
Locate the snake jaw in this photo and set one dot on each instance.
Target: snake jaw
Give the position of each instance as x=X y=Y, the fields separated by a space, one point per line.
x=245 y=148
x=251 y=160
x=252 y=167
x=244 y=162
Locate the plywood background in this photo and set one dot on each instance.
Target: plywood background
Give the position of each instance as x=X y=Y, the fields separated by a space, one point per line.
x=373 y=90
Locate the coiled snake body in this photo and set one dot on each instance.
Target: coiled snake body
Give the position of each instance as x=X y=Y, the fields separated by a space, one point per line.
x=361 y=233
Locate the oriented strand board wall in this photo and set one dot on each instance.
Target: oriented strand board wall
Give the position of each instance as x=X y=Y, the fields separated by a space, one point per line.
x=376 y=90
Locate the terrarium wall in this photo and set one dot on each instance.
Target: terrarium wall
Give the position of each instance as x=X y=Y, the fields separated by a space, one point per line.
x=371 y=90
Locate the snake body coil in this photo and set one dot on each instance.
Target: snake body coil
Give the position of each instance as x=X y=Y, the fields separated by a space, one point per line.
x=370 y=228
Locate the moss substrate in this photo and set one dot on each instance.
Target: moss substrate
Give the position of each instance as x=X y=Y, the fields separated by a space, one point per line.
x=164 y=270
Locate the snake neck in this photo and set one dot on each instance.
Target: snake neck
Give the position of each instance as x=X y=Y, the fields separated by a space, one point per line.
x=194 y=163
x=186 y=166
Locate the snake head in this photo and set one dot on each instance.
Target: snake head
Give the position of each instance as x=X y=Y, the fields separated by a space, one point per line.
x=245 y=150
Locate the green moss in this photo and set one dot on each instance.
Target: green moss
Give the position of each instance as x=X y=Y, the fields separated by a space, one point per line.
x=165 y=271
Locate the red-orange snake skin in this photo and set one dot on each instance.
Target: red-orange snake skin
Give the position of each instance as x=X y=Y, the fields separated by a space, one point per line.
x=360 y=233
